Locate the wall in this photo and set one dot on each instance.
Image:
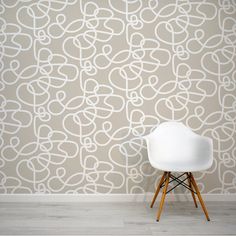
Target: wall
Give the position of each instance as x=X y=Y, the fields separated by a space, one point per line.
x=83 y=81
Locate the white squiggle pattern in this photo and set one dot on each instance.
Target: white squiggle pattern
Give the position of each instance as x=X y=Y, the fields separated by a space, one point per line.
x=83 y=81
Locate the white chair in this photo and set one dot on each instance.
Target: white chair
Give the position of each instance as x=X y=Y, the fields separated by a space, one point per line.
x=173 y=147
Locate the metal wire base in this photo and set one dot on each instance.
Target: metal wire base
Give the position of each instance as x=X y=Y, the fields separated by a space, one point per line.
x=180 y=182
x=167 y=178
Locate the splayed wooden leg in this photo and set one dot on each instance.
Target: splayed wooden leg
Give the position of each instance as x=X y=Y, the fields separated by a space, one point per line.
x=199 y=197
x=163 y=196
x=158 y=189
x=191 y=187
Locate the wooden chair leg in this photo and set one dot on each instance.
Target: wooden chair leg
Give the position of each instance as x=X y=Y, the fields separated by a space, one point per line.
x=199 y=196
x=191 y=187
x=163 y=196
x=158 y=189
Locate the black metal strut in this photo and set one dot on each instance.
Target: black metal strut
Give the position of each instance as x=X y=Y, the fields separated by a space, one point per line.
x=180 y=182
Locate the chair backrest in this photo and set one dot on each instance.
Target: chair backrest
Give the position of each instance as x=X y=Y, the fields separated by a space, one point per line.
x=170 y=142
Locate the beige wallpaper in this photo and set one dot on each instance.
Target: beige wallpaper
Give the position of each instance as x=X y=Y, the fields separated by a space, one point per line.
x=83 y=81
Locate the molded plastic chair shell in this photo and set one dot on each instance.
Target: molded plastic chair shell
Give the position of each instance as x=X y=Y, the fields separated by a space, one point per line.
x=174 y=147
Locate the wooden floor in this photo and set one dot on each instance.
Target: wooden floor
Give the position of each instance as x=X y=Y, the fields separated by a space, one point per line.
x=178 y=218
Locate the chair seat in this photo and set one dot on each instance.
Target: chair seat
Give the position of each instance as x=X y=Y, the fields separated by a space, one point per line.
x=182 y=167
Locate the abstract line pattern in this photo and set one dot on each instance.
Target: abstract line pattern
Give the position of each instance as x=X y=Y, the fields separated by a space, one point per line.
x=82 y=81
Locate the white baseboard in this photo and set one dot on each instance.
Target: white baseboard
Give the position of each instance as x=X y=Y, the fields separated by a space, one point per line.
x=108 y=197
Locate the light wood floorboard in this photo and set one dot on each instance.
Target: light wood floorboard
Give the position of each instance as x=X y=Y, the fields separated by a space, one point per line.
x=178 y=218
